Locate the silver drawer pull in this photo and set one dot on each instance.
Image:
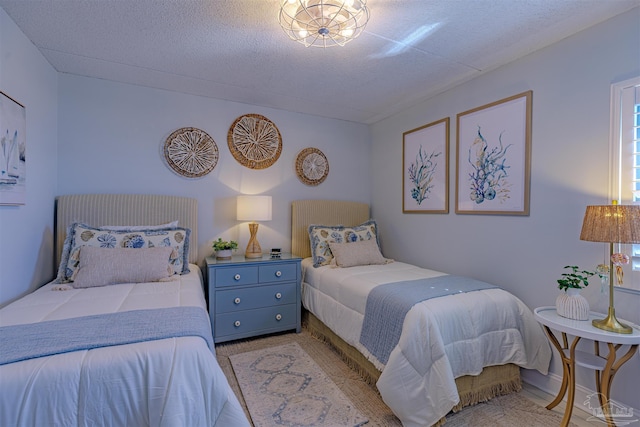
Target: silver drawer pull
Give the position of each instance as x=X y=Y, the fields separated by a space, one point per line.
x=278 y=295
x=237 y=300
x=278 y=316
x=278 y=273
x=236 y=277
x=236 y=323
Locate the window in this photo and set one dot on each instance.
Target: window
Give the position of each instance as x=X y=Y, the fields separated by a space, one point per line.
x=625 y=161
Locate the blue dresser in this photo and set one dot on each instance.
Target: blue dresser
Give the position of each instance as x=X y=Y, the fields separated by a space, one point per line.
x=249 y=297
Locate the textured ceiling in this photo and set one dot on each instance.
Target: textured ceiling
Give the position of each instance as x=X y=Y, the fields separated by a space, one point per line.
x=236 y=50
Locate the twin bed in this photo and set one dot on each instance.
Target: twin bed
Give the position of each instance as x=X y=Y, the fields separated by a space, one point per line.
x=455 y=349
x=171 y=379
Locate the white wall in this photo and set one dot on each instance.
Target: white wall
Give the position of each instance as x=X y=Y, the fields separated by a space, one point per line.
x=26 y=232
x=525 y=255
x=111 y=137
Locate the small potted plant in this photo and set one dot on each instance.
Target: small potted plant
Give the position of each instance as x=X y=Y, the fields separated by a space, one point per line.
x=224 y=248
x=570 y=303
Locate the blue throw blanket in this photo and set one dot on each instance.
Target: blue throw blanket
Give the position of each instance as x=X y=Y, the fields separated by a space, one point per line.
x=388 y=304
x=28 y=341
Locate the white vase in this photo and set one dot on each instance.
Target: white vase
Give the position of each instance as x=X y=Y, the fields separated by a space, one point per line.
x=224 y=254
x=572 y=305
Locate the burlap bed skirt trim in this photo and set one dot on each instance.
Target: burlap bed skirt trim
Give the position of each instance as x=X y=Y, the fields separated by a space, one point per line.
x=493 y=380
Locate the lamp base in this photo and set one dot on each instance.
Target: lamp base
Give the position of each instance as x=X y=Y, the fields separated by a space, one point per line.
x=611 y=324
x=253 y=248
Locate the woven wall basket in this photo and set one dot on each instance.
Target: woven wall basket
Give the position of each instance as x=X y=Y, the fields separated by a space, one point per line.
x=191 y=152
x=254 y=141
x=312 y=166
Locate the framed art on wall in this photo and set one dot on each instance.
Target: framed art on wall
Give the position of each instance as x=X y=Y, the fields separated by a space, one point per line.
x=493 y=157
x=13 y=144
x=425 y=168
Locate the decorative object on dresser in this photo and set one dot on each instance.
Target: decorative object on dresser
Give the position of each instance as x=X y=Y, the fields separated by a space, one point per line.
x=425 y=168
x=224 y=249
x=254 y=141
x=613 y=224
x=570 y=303
x=312 y=166
x=253 y=297
x=191 y=152
x=253 y=208
x=13 y=142
x=493 y=157
x=323 y=23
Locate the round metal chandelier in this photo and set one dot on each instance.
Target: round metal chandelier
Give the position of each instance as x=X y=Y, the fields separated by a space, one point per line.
x=323 y=23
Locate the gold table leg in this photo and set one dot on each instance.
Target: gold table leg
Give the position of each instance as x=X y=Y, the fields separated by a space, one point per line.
x=568 y=374
x=604 y=378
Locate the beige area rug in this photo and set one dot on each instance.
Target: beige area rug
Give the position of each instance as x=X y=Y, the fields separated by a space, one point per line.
x=510 y=410
x=283 y=386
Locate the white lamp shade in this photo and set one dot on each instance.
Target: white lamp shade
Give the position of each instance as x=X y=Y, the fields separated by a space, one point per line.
x=254 y=208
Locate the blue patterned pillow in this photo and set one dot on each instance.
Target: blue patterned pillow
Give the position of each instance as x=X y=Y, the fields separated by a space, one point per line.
x=321 y=235
x=79 y=234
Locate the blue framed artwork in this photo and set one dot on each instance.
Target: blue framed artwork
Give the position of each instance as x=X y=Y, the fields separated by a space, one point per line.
x=493 y=157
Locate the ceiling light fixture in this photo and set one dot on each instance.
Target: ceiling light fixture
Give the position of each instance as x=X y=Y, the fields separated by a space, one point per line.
x=323 y=23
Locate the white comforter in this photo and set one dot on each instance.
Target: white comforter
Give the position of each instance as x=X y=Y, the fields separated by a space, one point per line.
x=442 y=338
x=168 y=382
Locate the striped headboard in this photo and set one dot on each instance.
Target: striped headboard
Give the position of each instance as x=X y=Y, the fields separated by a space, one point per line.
x=126 y=209
x=322 y=212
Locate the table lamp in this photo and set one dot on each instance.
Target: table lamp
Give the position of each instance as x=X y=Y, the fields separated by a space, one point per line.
x=611 y=224
x=253 y=208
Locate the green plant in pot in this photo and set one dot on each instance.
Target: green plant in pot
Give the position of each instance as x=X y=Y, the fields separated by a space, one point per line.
x=570 y=303
x=576 y=279
x=224 y=248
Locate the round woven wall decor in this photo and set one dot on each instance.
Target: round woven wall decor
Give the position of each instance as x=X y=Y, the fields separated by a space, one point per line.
x=191 y=152
x=254 y=141
x=312 y=166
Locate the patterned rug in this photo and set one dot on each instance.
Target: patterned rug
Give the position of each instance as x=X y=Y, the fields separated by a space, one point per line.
x=283 y=386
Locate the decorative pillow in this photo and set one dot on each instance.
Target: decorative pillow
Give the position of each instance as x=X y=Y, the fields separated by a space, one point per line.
x=172 y=224
x=84 y=235
x=110 y=266
x=362 y=252
x=321 y=235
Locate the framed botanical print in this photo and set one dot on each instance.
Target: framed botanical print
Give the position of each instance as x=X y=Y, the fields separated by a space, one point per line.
x=13 y=144
x=425 y=168
x=493 y=157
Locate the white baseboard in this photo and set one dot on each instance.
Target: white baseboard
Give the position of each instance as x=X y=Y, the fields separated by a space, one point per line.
x=551 y=384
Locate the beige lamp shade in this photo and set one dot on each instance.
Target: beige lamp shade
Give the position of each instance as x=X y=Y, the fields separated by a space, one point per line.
x=611 y=224
x=253 y=208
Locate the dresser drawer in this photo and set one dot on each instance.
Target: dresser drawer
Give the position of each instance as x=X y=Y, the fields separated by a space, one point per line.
x=236 y=275
x=278 y=273
x=255 y=297
x=254 y=322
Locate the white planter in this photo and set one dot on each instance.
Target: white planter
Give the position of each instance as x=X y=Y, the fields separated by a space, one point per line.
x=572 y=305
x=224 y=254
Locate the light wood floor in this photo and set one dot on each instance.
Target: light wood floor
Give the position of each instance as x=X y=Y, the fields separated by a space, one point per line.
x=578 y=416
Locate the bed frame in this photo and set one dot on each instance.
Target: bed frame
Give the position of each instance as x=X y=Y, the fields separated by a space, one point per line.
x=493 y=381
x=125 y=209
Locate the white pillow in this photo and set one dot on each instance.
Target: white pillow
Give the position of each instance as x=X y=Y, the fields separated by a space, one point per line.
x=172 y=224
x=110 y=266
x=361 y=252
